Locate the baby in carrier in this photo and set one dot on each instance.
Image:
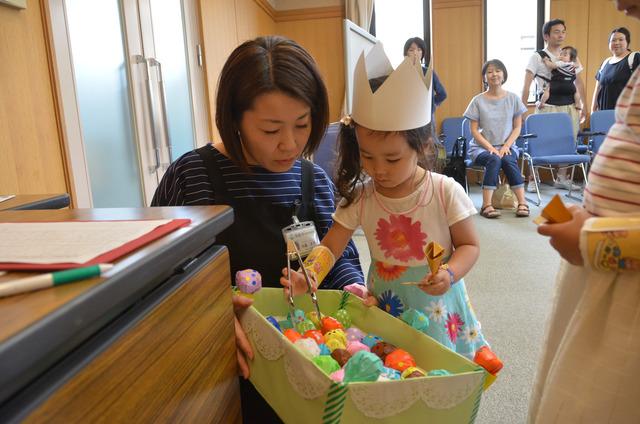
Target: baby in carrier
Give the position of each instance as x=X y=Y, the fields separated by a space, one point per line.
x=563 y=74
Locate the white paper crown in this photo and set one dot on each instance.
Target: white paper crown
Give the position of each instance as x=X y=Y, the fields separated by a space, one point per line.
x=402 y=102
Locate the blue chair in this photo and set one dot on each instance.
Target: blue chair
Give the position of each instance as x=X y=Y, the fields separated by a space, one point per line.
x=601 y=121
x=553 y=146
x=466 y=134
x=450 y=130
x=327 y=153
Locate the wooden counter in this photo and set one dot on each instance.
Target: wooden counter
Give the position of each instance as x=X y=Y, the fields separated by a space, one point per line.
x=152 y=342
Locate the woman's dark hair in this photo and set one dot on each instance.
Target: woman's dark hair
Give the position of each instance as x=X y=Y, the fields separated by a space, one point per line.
x=349 y=173
x=546 y=28
x=264 y=65
x=497 y=64
x=419 y=42
x=623 y=31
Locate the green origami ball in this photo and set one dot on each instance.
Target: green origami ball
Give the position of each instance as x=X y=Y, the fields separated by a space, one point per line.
x=344 y=318
x=326 y=363
x=416 y=319
x=363 y=366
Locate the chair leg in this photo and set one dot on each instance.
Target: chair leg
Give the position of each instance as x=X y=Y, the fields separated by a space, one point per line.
x=573 y=170
x=535 y=183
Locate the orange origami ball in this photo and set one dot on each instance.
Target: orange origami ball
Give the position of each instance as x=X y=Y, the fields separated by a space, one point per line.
x=399 y=360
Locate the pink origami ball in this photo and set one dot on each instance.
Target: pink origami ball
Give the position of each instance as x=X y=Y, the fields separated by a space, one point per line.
x=248 y=281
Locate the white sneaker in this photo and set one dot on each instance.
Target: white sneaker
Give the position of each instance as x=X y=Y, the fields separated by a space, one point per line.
x=531 y=187
x=563 y=183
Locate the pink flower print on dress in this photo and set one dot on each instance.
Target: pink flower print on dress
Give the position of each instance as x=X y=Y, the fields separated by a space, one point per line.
x=454 y=326
x=400 y=238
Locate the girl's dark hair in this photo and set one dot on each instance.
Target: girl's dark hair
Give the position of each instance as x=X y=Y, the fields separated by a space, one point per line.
x=624 y=31
x=498 y=64
x=419 y=42
x=264 y=65
x=349 y=173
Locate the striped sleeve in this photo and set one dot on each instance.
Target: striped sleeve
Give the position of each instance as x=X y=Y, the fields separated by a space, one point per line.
x=185 y=183
x=347 y=269
x=614 y=178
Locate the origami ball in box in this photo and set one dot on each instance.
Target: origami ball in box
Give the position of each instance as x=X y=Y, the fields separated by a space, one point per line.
x=248 y=281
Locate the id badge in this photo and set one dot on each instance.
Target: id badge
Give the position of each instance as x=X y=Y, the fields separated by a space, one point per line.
x=303 y=234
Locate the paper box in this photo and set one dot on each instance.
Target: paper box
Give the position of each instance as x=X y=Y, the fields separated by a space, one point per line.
x=302 y=393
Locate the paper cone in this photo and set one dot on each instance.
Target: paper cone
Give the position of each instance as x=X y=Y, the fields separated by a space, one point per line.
x=434 y=253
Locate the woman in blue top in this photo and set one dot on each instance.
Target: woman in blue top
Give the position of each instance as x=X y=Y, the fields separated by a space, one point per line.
x=615 y=71
x=271 y=109
x=496 y=119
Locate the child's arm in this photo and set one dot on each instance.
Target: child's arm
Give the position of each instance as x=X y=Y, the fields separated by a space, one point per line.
x=467 y=249
x=597 y=236
x=336 y=240
x=549 y=63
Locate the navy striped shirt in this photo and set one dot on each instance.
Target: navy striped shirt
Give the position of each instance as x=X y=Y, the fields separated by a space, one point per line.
x=187 y=182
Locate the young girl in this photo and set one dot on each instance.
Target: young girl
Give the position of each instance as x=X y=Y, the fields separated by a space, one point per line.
x=590 y=367
x=388 y=190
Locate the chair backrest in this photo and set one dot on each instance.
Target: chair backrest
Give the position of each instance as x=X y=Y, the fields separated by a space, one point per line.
x=327 y=152
x=451 y=129
x=601 y=121
x=554 y=134
x=466 y=132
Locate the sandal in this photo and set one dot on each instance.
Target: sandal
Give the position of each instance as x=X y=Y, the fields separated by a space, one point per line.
x=522 y=210
x=488 y=211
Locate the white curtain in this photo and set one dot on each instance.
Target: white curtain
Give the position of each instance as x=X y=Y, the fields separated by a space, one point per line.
x=359 y=12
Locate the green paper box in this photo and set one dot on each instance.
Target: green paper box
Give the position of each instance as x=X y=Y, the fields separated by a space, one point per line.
x=301 y=393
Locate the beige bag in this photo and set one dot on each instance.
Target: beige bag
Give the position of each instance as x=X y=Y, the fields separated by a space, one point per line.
x=503 y=197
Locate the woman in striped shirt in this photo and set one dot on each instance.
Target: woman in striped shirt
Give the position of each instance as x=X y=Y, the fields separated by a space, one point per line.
x=271 y=109
x=590 y=369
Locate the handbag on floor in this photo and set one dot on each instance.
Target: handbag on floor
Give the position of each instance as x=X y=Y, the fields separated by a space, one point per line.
x=503 y=197
x=456 y=167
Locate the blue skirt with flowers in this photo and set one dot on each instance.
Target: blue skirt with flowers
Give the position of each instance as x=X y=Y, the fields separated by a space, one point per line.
x=452 y=321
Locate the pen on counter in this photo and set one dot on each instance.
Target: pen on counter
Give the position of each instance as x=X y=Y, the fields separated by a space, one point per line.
x=43 y=281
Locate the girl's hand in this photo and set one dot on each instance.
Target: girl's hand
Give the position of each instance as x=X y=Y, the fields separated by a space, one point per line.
x=504 y=150
x=565 y=237
x=494 y=151
x=436 y=284
x=370 y=301
x=244 y=352
x=297 y=281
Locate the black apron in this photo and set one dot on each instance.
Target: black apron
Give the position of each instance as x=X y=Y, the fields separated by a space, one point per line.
x=255 y=241
x=255 y=238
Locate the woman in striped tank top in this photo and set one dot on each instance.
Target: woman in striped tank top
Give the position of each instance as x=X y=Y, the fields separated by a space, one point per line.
x=590 y=369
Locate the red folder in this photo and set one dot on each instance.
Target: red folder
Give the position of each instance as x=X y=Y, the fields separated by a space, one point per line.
x=106 y=257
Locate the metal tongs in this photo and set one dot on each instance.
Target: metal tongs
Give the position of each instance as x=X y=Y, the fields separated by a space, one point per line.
x=294 y=254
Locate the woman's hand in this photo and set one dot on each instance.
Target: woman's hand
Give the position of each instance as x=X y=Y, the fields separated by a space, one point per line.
x=565 y=237
x=504 y=151
x=493 y=151
x=436 y=284
x=298 y=282
x=243 y=347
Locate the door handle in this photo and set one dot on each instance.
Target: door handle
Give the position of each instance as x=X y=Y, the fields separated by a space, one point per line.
x=152 y=110
x=163 y=105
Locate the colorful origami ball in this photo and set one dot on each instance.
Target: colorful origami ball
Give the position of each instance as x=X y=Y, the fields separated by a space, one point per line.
x=305 y=326
x=296 y=317
x=382 y=349
x=248 y=281
x=292 y=335
x=324 y=350
x=335 y=343
x=363 y=366
x=341 y=356
x=359 y=290
x=354 y=334
x=313 y=317
x=330 y=323
x=399 y=360
x=338 y=376
x=415 y=319
x=437 y=373
x=336 y=334
x=309 y=347
x=370 y=340
x=326 y=364
x=274 y=322
x=354 y=347
x=412 y=372
x=315 y=335
x=344 y=318
x=389 y=374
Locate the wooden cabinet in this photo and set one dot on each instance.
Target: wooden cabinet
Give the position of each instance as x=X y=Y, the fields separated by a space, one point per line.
x=167 y=355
